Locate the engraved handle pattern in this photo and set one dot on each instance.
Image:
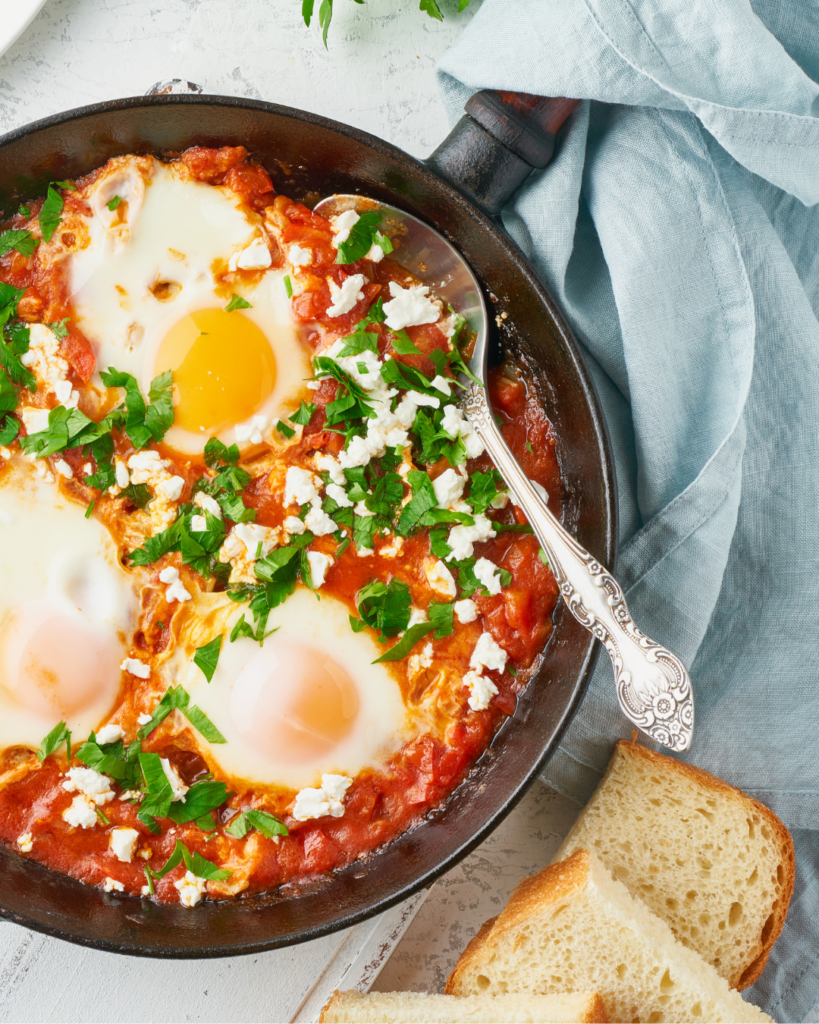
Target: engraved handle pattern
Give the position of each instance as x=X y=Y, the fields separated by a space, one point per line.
x=653 y=685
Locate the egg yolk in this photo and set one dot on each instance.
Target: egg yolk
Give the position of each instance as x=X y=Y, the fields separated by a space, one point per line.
x=53 y=663
x=223 y=369
x=294 y=701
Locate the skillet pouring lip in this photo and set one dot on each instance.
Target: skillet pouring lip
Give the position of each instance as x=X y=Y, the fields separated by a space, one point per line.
x=537 y=335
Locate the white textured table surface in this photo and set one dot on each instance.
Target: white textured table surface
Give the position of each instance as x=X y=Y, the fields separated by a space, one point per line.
x=378 y=75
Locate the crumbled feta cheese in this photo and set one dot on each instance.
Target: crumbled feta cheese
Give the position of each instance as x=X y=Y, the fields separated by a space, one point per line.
x=488 y=654
x=136 y=668
x=319 y=523
x=35 y=420
x=330 y=464
x=26 y=842
x=122 y=475
x=345 y=297
x=299 y=257
x=191 y=889
x=172 y=775
x=316 y=803
x=543 y=494
x=482 y=690
x=122 y=843
x=294 y=525
x=339 y=495
x=319 y=564
x=171 y=488
x=393 y=548
x=442 y=384
x=425 y=658
x=66 y=395
x=255 y=256
x=463 y=538
x=145 y=890
x=144 y=718
x=90 y=783
x=134 y=794
x=176 y=591
x=455 y=425
x=466 y=610
x=207 y=504
x=252 y=536
x=44 y=359
x=82 y=813
x=147 y=461
x=112 y=885
x=88 y=468
x=488 y=574
x=301 y=486
x=410 y=307
x=110 y=734
x=64 y=469
x=252 y=431
x=501 y=500
x=199 y=524
x=5 y=453
x=439 y=578
x=449 y=487
x=341 y=226
x=376 y=253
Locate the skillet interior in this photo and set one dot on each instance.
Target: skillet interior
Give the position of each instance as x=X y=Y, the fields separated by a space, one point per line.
x=308 y=157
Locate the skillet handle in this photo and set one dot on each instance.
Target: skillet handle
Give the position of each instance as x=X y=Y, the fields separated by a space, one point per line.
x=494 y=148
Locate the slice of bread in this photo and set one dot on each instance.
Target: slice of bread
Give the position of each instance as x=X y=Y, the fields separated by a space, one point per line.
x=715 y=865
x=406 y=1007
x=572 y=927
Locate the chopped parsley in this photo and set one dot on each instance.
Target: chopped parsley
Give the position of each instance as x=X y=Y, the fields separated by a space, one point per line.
x=58 y=735
x=288 y=287
x=194 y=862
x=18 y=239
x=361 y=238
x=178 y=698
x=207 y=657
x=112 y=204
x=142 y=422
x=265 y=823
x=237 y=302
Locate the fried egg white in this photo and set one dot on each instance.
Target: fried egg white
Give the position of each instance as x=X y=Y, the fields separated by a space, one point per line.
x=67 y=609
x=145 y=295
x=308 y=701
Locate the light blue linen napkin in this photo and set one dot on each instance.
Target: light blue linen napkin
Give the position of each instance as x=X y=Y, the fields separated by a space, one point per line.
x=679 y=231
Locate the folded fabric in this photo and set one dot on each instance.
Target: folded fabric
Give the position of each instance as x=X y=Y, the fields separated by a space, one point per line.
x=679 y=231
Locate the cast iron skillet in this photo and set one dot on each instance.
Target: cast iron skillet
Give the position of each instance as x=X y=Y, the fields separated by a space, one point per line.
x=464 y=183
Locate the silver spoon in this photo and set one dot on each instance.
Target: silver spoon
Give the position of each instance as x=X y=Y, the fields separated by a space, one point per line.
x=653 y=685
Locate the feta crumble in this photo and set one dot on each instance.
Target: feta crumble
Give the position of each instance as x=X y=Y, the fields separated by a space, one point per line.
x=64 y=469
x=488 y=654
x=454 y=424
x=122 y=843
x=110 y=734
x=176 y=591
x=342 y=225
x=439 y=578
x=319 y=523
x=410 y=307
x=339 y=495
x=207 y=504
x=330 y=464
x=172 y=775
x=89 y=782
x=81 y=813
x=543 y=494
x=191 y=889
x=123 y=477
x=252 y=431
x=144 y=718
x=482 y=690
x=171 y=488
x=345 y=297
x=319 y=564
x=299 y=257
x=199 y=524
x=26 y=842
x=466 y=610
x=301 y=487
x=487 y=573
x=35 y=420
x=316 y=803
x=462 y=539
x=136 y=668
x=417 y=615
x=255 y=256
x=448 y=487
x=112 y=885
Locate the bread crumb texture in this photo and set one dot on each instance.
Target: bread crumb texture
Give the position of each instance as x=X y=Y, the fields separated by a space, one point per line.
x=418 y=1007
x=717 y=866
x=573 y=927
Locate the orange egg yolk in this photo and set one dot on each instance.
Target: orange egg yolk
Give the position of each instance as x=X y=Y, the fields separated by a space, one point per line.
x=293 y=700
x=223 y=369
x=54 y=663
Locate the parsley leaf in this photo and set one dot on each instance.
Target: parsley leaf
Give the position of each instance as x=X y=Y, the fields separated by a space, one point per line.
x=400 y=650
x=59 y=734
x=207 y=657
x=283 y=428
x=138 y=494
x=201 y=798
x=51 y=212
x=178 y=698
x=194 y=862
x=144 y=423
x=237 y=302
x=385 y=606
x=18 y=239
x=113 y=759
x=112 y=204
x=403 y=344
x=440 y=615
x=484 y=488
x=267 y=824
x=303 y=414
x=361 y=238
x=423 y=499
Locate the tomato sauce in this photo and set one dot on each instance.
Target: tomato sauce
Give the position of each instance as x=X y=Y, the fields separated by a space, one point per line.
x=381 y=804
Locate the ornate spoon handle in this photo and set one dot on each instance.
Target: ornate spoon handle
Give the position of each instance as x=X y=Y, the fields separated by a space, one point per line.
x=653 y=685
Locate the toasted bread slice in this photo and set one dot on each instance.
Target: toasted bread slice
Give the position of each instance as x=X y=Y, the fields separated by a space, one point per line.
x=572 y=927
x=717 y=866
x=398 y=1007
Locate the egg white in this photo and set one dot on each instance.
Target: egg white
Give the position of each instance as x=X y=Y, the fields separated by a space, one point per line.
x=53 y=558
x=382 y=723
x=175 y=230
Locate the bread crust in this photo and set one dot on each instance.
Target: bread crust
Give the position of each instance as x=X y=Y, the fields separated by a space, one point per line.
x=775 y=923
x=552 y=884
